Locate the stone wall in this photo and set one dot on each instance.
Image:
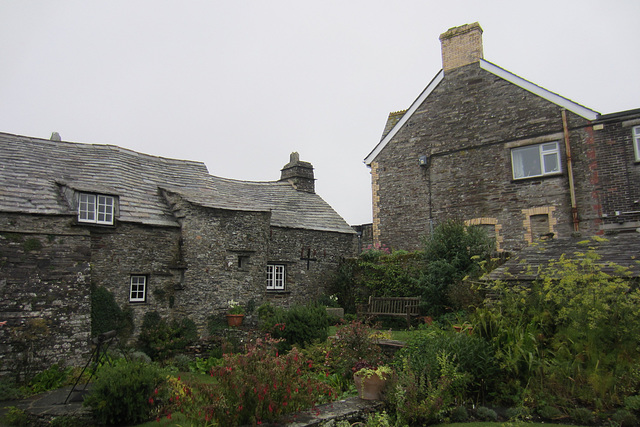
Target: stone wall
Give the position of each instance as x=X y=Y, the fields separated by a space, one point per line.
x=310 y=258
x=224 y=252
x=44 y=292
x=618 y=176
x=467 y=127
x=135 y=249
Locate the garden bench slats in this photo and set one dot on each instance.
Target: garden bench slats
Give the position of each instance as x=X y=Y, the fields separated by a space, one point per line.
x=392 y=306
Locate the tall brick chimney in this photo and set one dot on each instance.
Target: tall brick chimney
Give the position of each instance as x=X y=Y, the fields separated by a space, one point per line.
x=299 y=174
x=461 y=46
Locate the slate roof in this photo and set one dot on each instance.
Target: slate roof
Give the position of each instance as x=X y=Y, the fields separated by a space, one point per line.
x=33 y=171
x=620 y=249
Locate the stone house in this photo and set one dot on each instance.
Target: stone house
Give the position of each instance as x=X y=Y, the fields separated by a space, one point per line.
x=483 y=145
x=160 y=234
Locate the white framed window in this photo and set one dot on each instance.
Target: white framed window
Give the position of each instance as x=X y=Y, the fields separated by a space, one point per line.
x=95 y=208
x=275 y=277
x=535 y=160
x=138 y=289
x=636 y=142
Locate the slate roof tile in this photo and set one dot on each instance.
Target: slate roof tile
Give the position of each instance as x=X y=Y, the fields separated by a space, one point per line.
x=32 y=171
x=620 y=249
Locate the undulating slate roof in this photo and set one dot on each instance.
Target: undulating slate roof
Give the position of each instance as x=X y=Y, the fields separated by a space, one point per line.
x=34 y=172
x=611 y=250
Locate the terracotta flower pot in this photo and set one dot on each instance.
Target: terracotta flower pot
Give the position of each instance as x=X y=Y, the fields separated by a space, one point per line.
x=370 y=388
x=234 y=319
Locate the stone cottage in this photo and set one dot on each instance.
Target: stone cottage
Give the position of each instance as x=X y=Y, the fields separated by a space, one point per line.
x=485 y=146
x=160 y=234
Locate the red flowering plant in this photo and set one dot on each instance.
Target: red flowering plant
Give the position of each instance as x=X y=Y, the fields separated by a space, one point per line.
x=256 y=387
x=354 y=342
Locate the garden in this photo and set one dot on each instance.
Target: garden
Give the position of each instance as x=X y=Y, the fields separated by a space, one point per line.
x=560 y=349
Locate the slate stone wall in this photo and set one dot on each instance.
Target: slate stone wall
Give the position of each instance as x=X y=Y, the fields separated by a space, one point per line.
x=311 y=258
x=618 y=176
x=135 y=249
x=224 y=252
x=467 y=127
x=44 y=292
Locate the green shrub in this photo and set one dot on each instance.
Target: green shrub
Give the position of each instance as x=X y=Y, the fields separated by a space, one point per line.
x=473 y=355
x=632 y=403
x=582 y=416
x=161 y=340
x=16 y=417
x=300 y=325
x=50 y=379
x=451 y=252
x=376 y=272
x=181 y=362
x=460 y=415
x=106 y=315
x=624 y=418
x=124 y=393
x=421 y=398
x=9 y=390
x=549 y=412
x=486 y=414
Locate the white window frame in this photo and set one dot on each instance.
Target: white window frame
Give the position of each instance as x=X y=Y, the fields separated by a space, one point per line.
x=545 y=151
x=276 y=277
x=636 y=142
x=96 y=208
x=138 y=288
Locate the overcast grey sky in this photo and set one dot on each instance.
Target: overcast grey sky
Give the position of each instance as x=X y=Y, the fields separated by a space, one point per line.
x=240 y=84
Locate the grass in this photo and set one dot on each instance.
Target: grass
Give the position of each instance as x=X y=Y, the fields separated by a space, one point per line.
x=399 y=335
x=505 y=424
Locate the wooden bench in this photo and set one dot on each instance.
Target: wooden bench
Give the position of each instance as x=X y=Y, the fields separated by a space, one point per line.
x=406 y=307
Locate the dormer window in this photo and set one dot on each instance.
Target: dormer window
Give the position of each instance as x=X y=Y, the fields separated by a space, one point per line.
x=95 y=208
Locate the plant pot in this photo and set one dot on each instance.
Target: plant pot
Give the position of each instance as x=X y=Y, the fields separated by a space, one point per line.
x=370 y=388
x=234 y=319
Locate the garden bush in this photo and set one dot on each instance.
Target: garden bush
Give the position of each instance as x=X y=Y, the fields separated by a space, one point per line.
x=299 y=325
x=421 y=398
x=161 y=340
x=570 y=336
x=106 y=315
x=451 y=252
x=473 y=355
x=353 y=342
x=259 y=386
x=125 y=393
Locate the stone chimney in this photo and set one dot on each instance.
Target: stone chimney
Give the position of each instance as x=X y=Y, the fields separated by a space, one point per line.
x=461 y=46
x=299 y=174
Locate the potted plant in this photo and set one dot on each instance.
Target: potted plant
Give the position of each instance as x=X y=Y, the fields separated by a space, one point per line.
x=235 y=314
x=371 y=380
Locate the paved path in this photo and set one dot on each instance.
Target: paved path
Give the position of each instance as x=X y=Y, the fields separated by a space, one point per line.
x=49 y=405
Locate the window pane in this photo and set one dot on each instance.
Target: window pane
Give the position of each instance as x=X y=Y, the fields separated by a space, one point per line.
x=105 y=209
x=526 y=162
x=551 y=163
x=275 y=277
x=138 y=288
x=87 y=208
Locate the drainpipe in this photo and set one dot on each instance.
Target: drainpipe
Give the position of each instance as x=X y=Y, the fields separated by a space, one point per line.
x=572 y=189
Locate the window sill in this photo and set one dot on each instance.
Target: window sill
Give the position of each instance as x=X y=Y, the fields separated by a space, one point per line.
x=538 y=177
x=278 y=292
